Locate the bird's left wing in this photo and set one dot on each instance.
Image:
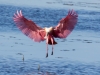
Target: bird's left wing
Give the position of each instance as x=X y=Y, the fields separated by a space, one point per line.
x=66 y=25
x=29 y=28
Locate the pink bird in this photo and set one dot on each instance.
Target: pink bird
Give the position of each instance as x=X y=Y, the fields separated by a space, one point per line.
x=38 y=34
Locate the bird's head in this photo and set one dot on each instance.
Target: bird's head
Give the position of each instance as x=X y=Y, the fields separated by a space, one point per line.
x=48 y=30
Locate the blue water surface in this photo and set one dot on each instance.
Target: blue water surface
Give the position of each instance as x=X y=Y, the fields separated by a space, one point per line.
x=88 y=21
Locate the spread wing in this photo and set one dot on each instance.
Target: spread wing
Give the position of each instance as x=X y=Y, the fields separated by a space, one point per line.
x=29 y=28
x=66 y=25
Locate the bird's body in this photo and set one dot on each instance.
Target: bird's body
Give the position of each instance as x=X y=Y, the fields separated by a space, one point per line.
x=49 y=36
x=38 y=34
x=50 y=41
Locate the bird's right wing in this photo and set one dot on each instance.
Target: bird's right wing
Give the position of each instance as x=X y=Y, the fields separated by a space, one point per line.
x=29 y=28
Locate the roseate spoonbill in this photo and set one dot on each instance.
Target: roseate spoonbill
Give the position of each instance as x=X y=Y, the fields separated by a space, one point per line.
x=38 y=34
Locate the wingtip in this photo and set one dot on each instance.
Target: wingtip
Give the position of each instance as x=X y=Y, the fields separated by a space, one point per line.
x=72 y=12
x=15 y=16
x=21 y=12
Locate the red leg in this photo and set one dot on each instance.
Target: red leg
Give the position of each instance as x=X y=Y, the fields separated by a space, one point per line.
x=52 y=46
x=47 y=48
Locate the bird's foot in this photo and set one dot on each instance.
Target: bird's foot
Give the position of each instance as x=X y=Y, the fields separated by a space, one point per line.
x=52 y=53
x=46 y=55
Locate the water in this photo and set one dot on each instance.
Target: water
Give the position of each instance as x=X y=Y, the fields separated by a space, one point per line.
x=76 y=55
x=48 y=17
x=54 y=67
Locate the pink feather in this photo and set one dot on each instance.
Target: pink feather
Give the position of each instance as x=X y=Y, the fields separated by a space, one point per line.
x=29 y=28
x=66 y=25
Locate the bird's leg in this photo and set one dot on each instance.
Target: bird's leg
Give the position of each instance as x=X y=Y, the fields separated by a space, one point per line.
x=47 y=47
x=52 y=46
x=47 y=51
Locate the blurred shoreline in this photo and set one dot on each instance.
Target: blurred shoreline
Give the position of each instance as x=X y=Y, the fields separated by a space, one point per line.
x=56 y=4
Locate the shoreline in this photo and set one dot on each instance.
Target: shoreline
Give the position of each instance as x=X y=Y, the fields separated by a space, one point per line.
x=54 y=4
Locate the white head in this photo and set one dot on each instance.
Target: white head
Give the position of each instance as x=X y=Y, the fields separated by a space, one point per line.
x=48 y=30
